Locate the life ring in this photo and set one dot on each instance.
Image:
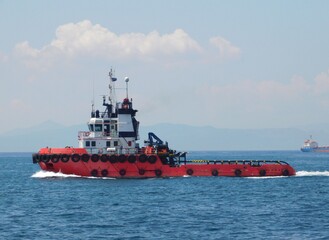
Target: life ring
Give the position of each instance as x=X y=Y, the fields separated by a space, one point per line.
x=65 y=158
x=152 y=159
x=113 y=159
x=122 y=172
x=85 y=157
x=262 y=172
x=122 y=158
x=75 y=157
x=141 y=171
x=94 y=173
x=104 y=172
x=55 y=158
x=104 y=158
x=94 y=158
x=285 y=172
x=237 y=172
x=158 y=172
x=132 y=158
x=214 y=172
x=142 y=158
x=189 y=171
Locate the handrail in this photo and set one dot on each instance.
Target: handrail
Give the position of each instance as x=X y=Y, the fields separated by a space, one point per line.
x=244 y=162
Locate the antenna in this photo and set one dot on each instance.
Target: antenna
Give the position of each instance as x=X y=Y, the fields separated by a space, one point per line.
x=126 y=80
x=93 y=100
x=112 y=97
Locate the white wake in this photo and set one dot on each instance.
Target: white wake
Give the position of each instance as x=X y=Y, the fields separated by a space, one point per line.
x=312 y=174
x=46 y=174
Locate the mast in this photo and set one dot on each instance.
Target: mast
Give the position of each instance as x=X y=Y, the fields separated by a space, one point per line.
x=127 y=80
x=112 y=96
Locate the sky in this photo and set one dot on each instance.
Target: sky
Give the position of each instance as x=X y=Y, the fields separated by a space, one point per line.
x=227 y=64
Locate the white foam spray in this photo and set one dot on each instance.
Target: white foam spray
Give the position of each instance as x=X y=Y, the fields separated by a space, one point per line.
x=312 y=174
x=46 y=174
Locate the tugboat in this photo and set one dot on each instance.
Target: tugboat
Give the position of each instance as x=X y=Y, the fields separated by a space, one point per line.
x=312 y=146
x=109 y=149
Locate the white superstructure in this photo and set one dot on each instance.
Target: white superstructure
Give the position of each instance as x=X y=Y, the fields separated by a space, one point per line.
x=115 y=130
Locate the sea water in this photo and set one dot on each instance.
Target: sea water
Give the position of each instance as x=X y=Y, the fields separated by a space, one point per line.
x=41 y=205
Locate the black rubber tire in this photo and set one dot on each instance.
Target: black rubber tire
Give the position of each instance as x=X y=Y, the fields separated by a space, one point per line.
x=189 y=171
x=75 y=157
x=113 y=158
x=152 y=159
x=122 y=158
x=104 y=158
x=262 y=172
x=142 y=158
x=55 y=158
x=94 y=173
x=65 y=158
x=237 y=172
x=122 y=172
x=158 y=172
x=45 y=158
x=132 y=158
x=214 y=172
x=85 y=157
x=285 y=172
x=94 y=158
x=104 y=172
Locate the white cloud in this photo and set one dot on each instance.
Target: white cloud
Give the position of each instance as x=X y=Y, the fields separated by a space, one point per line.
x=322 y=83
x=226 y=49
x=268 y=90
x=267 y=101
x=19 y=105
x=84 y=39
x=3 y=57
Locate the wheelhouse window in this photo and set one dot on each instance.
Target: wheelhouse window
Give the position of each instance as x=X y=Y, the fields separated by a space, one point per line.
x=107 y=128
x=91 y=127
x=98 y=127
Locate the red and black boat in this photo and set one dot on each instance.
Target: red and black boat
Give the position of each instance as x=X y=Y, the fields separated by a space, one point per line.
x=110 y=149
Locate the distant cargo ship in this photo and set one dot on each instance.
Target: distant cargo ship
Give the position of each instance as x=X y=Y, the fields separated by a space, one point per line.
x=312 y=146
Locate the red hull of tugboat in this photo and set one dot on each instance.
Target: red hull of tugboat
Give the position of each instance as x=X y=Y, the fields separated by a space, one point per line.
x=77 y=161
x=110 y=149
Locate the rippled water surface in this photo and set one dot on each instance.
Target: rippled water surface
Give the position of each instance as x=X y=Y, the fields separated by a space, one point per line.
x=42 y=205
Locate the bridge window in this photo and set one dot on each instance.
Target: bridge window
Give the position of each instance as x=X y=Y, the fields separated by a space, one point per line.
x=107 y=128
x=91 y=127
x=98 y=127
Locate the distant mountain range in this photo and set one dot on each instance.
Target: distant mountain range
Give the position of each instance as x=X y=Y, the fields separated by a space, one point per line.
x=179 y=136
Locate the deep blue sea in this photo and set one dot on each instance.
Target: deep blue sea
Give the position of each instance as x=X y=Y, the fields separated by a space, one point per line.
x=41 y=205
